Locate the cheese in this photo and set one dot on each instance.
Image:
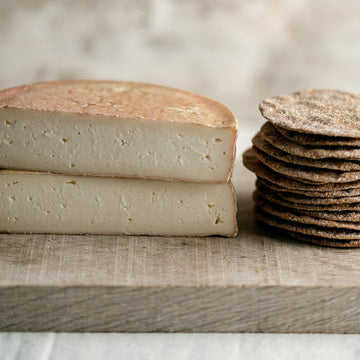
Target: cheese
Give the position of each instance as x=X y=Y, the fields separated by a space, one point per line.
x=33 y=202
x=117 y=129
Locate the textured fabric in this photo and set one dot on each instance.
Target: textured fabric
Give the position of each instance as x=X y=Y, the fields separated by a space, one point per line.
x=46 y=346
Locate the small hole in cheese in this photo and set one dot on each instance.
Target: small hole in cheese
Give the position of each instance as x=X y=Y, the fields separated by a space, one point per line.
x=71 y=182
x=218 y=220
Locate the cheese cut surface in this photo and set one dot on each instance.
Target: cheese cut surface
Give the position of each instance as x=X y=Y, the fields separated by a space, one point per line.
x=116 y=128
x=33 y=202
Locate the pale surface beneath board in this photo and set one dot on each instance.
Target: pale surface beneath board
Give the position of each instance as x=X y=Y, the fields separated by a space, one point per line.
x=256 y=282
x=110 y=346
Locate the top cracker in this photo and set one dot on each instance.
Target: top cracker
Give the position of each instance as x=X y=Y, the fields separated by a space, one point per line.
x=323 y=112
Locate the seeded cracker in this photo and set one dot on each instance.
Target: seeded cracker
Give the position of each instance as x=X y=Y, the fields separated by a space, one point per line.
x=327 y=233
x=300 y=199
x=312 y=239
x=353 y=216
x=323 y=112
x=271 y=196
x=350 y=216
x=256 y=166
x=335 y=164
x=296 y=217
x=325 y=194
x=275 y=138
x=325 y=242
x=307 y=174
x=318 y=140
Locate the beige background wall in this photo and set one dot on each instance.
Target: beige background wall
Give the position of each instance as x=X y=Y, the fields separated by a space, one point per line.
x=235 y=51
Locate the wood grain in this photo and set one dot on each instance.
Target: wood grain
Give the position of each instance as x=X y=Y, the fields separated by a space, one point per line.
x=257 y=282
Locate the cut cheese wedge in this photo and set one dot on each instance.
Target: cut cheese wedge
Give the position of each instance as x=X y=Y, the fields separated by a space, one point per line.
x=116 y=129
x=33 y=202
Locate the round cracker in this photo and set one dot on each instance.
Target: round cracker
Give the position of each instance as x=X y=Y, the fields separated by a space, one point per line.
x=270 y=195
x=252 y=163
x=316 y=111
x=351 y=216
x=311 y=193
x=314 y=230
x=344 y=244
x=305 y=173
x=300 y=199
x=312 y=239
x=296 y=217
x=334 y=164
x=275 y=138
x=347 y=216
x=318 y=140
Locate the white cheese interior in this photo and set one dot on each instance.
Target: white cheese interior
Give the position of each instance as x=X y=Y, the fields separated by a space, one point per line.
x=58 y=142
x=48 y=203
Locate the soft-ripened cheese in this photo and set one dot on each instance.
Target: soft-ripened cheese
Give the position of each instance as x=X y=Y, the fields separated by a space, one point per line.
x=117 y=129
x=33 y=202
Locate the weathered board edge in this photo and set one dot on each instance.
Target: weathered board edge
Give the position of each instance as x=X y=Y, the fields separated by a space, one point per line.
x=276 y=309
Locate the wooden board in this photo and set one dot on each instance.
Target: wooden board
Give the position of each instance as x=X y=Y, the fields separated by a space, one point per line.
x=257 y=282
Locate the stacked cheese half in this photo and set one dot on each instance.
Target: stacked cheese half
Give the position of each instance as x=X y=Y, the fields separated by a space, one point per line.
x=111 y=157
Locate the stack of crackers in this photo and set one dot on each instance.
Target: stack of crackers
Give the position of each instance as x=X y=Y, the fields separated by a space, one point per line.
x=307 y=161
